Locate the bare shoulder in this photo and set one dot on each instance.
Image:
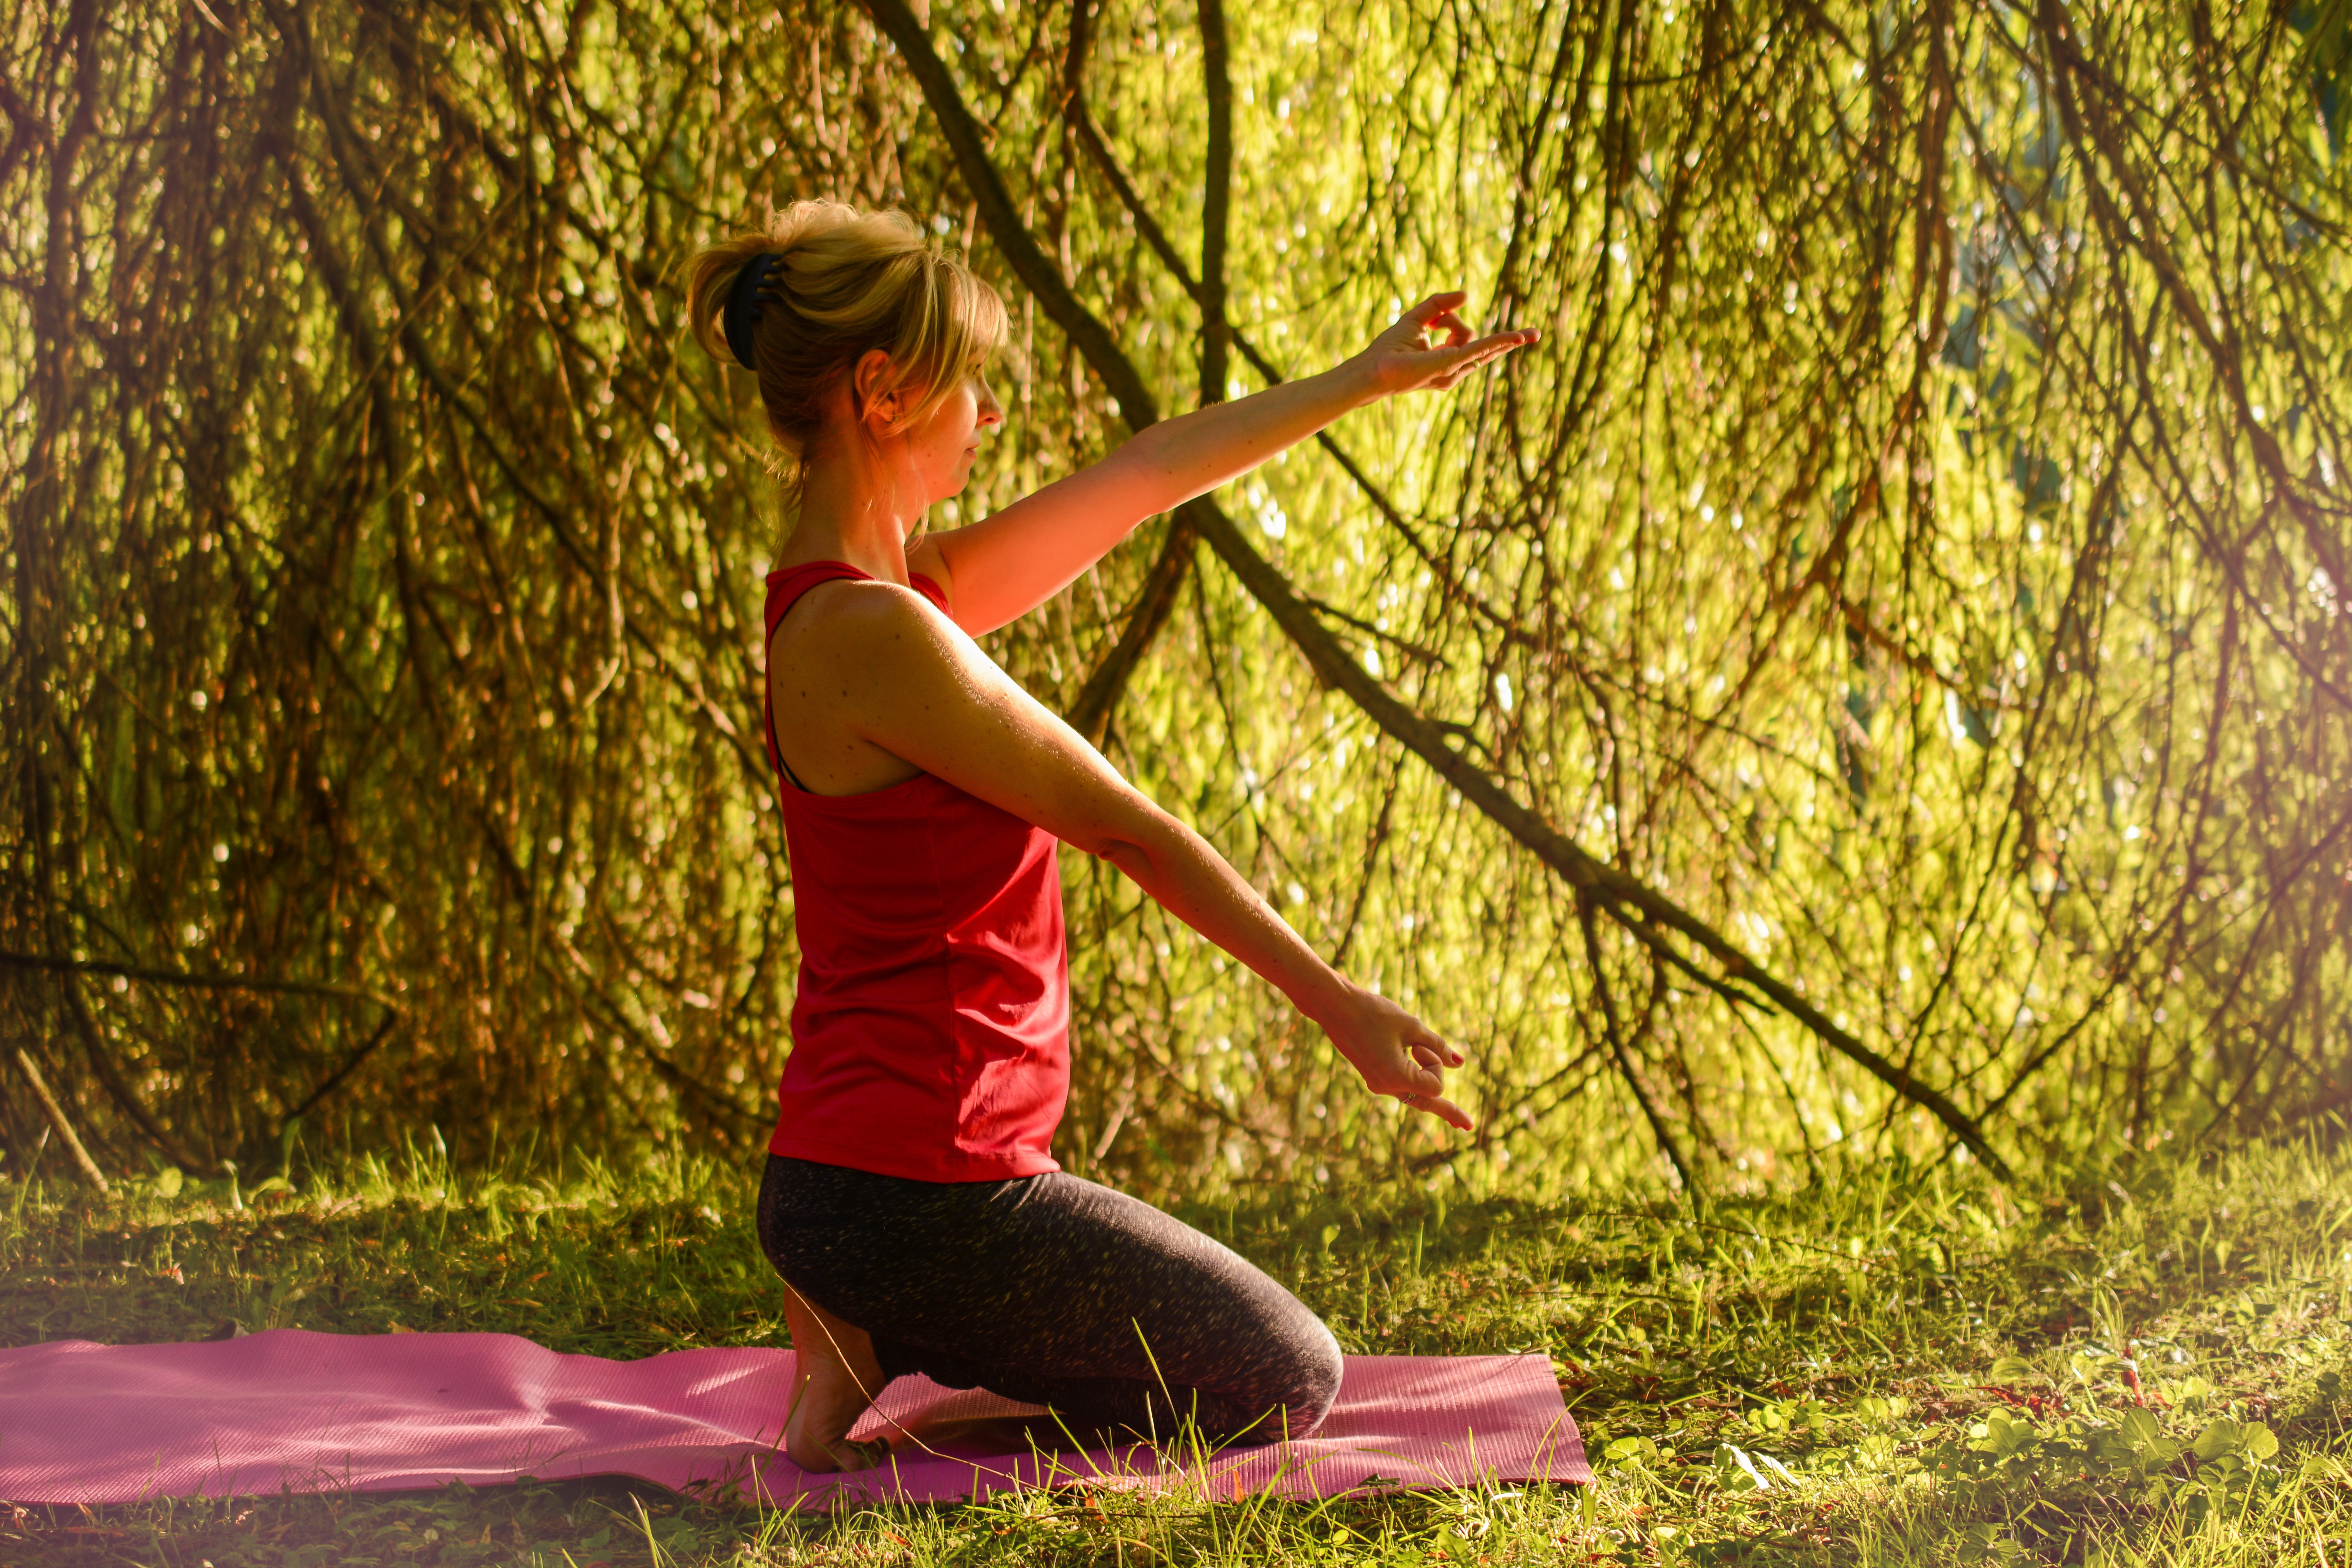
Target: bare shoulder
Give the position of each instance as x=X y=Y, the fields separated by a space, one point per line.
x=869 y=627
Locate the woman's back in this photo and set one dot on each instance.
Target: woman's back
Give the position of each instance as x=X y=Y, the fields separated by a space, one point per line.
x=931 y=1033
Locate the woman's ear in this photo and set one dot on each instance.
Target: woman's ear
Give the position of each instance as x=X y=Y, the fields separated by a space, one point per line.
x=872 y=381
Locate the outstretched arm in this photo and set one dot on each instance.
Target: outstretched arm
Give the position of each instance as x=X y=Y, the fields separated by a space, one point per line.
x=909 y=682
x=1007 y=564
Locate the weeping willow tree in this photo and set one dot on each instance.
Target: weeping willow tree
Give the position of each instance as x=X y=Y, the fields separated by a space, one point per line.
x=1874 y=676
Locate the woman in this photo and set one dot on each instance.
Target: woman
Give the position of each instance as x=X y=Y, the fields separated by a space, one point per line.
x=909 y=1203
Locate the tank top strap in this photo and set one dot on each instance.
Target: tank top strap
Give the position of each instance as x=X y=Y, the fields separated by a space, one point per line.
x=786 y=585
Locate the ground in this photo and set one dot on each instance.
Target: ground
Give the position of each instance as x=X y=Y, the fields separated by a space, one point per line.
x=2144 y=1363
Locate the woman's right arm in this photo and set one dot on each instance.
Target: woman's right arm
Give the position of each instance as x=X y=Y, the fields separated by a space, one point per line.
x=1014 y=560
x=904 y=679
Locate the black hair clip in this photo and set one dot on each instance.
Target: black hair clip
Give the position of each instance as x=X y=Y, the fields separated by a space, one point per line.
x=741 y=316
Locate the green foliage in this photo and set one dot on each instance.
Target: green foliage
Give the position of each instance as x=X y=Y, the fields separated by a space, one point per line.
x=1915 y=555
x=2007 y=1455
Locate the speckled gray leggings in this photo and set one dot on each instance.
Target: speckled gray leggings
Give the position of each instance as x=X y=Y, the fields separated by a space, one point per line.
x=1047 y=1289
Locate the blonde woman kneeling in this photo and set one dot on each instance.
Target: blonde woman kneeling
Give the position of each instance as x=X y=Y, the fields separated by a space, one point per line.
x=910 y=1203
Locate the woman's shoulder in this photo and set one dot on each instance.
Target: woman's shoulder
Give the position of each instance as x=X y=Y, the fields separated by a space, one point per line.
x=855 y=620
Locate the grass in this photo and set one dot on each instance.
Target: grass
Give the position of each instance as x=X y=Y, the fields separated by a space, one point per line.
x=1891 y=1366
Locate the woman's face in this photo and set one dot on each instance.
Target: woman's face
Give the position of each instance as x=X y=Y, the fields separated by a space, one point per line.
x=937 y=455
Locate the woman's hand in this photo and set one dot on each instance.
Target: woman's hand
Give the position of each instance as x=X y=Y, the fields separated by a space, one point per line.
x=1403 y=360
x=1396 y=1052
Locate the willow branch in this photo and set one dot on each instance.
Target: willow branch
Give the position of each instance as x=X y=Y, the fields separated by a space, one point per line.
x=1217 y=198
x=109 y=1075
x=1098 y=698
x=1091 y=714
x=83 y=1164
x=1658 y=1129
x=11 y=960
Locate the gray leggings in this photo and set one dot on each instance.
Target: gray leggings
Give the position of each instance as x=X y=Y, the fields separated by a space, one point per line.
x=1047 y=1289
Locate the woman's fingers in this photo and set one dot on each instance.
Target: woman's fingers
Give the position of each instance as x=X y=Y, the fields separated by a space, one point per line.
x=1445 y=1111
x=1430 y=346
x=1443 y=1054
x=1437 y=305
x=1399 y=1054
x=1459 y=338
x=1495 y=344
x=1418 y=1068
x=1428 y=1057
x=1450 y=364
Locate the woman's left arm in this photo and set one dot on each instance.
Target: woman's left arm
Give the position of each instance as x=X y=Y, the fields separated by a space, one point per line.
x=1008 y=563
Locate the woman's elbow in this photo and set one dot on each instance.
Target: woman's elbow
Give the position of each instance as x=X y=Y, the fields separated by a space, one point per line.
x=1120 y=850
x=1136 y=847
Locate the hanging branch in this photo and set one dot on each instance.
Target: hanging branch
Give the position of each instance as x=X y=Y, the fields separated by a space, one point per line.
x=102 y=1063
x=1599 y=964
x=1091 y=714
x=1131 y=647
x=337 y=1079
x=1217 y=199
x=83 y=1164
x=197 y=981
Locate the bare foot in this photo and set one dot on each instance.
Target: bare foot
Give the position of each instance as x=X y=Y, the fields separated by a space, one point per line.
x=835 y=1378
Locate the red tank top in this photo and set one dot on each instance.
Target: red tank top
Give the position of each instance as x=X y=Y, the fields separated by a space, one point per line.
x=930 y=1031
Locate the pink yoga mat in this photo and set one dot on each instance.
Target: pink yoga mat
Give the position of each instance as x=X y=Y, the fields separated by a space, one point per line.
x=292 y=1410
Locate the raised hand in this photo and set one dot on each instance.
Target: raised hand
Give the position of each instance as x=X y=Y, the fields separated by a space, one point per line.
x=1397 y=1053
x=1403 y=359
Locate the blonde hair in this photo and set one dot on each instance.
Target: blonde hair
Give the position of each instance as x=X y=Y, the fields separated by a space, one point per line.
x=848 y=281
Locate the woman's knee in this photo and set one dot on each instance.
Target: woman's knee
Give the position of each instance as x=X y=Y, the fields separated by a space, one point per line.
x=1294 y=1364
x=1315 y=1381
x=1293 y=1388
